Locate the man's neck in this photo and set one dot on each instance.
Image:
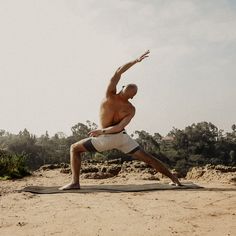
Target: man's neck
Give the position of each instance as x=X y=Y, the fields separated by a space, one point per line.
x=122 y=97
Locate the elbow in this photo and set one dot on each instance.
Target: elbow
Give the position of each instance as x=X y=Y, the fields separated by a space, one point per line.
x=115 y=78
x=120 y=128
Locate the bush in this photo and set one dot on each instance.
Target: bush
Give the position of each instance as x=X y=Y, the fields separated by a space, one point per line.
x=12 y=166
x=99 y=157
x=197 y=159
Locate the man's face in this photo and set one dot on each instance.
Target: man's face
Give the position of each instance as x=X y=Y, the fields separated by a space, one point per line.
x=130 y=90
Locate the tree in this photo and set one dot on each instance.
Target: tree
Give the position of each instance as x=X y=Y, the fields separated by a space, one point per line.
x=2 y=132
x=147 y=141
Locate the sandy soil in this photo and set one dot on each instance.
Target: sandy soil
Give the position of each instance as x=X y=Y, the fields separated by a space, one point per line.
x=211 y=211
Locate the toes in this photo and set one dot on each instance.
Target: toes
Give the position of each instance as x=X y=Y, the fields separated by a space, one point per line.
x=70 y=186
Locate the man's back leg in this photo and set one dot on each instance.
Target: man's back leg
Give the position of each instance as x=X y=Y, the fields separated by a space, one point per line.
x=155 y=163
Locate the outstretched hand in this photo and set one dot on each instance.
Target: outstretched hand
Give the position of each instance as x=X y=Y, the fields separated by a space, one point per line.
x=146 y=54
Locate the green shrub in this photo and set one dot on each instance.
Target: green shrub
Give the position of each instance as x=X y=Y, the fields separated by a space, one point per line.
x=99 y=157
x=12 y=166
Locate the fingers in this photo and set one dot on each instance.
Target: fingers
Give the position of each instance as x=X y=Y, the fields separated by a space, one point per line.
x=141 y=58
x=144 y=56
x=93 y=133
x=147 y=52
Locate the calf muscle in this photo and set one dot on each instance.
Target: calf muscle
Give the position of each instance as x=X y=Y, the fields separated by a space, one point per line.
x=155 y=163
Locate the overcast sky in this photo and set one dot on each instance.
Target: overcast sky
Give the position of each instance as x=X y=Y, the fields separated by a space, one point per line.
x=56 y=58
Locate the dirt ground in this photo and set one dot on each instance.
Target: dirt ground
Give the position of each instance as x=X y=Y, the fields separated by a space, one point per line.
x=208 y=211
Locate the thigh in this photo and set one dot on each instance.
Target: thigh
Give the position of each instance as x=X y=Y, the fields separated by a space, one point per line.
x=126 y=144
x=141 y=155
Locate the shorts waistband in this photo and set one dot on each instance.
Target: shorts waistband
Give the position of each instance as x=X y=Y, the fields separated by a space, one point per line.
x=122 y=131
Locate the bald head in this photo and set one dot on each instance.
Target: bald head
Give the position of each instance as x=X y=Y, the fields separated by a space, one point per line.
x=129 y=91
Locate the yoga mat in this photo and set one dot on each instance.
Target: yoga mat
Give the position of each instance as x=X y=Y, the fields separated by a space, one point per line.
x=110 y=188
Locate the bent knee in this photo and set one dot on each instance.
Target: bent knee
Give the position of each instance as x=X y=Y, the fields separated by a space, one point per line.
x=73 y=148
x=77 y=147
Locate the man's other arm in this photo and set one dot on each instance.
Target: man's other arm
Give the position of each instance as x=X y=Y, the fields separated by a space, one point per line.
x=116 y=128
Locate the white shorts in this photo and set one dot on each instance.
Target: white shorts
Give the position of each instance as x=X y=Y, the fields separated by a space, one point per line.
x=121 y=141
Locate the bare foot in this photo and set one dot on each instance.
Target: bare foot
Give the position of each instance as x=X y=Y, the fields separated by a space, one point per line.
x=70 y=186
x=175 y=181
x=175 y=184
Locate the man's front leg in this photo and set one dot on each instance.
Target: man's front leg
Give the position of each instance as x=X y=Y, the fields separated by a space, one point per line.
x=75 y=161
x=156 y=164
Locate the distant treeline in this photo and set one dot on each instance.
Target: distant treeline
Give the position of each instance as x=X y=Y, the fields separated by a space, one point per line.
x=197 y=144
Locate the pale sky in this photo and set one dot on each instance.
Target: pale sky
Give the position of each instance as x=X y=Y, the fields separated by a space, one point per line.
x=57 y=56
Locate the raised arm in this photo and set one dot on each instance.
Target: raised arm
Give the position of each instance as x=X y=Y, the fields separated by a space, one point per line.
x=111 y=89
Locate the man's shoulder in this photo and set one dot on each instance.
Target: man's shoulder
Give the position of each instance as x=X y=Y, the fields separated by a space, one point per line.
x=110 y=97
x=132 y=107
x=108 y=100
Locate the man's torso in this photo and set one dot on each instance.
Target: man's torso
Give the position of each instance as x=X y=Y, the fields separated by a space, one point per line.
x=113 y=110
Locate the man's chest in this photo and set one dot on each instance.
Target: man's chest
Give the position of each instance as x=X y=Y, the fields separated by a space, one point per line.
x=121 y=110
x=116 y=109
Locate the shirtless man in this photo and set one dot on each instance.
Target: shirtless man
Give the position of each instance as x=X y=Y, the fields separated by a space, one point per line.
x=115 y=114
